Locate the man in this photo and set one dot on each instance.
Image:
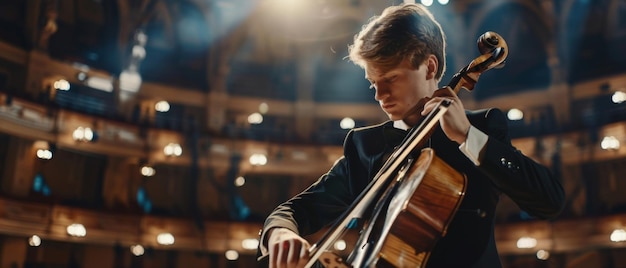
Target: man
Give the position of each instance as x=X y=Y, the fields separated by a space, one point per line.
x=402 y=53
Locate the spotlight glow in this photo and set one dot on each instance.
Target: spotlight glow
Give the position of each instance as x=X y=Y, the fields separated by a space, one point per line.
x=232 y=255
x=76 y=230
x=137 y=250
x=34 y=241
x=526 y=242
x=165 y=239
x=618 y=235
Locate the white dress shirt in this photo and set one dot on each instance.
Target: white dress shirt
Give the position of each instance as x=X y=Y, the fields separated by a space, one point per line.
x=472 y=146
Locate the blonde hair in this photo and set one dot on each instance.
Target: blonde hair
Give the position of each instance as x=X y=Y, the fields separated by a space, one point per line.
x=407 y=31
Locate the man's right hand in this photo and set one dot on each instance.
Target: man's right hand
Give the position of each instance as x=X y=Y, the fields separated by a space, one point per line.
x=287 y=249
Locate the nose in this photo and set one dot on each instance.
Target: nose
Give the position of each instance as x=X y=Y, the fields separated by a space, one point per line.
x=382 y=92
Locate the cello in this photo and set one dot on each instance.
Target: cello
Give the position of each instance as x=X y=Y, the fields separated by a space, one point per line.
x=412 y=199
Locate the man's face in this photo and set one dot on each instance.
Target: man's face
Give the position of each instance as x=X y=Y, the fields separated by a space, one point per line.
x=400 y=88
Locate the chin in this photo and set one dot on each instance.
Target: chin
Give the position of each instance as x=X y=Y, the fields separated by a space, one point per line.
x=394 y=117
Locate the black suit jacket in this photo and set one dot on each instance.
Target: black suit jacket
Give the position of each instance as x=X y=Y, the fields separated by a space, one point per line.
x=469 y=241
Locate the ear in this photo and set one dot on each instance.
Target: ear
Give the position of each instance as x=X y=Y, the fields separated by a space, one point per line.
x=431 y=64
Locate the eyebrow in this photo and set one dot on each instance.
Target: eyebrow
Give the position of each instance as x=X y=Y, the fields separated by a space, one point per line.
x=384 y=76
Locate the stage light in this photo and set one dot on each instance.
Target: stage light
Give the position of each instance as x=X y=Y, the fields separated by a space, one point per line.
x=101 y=83
x=543 y=254
x=263 y=108
x=515 y=114
x=76 y=230
x=148 y=171
x=162 y=106
x=139 y=52
x=130 y=81
x=34 y=241
x=137 y=250
x=250 y=243
x=62 y=84
x=255 y=118
x=618 y=97
x=427 y=2
x=232 y=255
x=44 y=154
x=240 y=181
x=173 y=149
x=347 y=123
x=165 y=239
x=618 y=235
x=526 y=242
x=258 y=159
x=83 y=134
x=609 y=143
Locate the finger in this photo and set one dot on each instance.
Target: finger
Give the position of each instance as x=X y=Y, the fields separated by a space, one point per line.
x=274 y=249
x=430 y=105
x=283 y=255
x=304 y=256
x=294 y=253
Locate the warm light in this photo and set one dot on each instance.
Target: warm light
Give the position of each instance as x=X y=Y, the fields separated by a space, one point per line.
x=148 y=171
x=101 y=83
x=240 y=181
x=515 y=114
x=340 y=245
x=130 y=81
x=526 y=242
x=44 y=154
x=83 y=134
x=165 y=239
x=263 y=108
x=255 y=118
x=162 y=106
x=62 y=84
x=609 y=143
x=543 y=254
x=618 y=97
x=250 y=243
x=173 y=149
x=346 y=123
x=77 y=230
x=137 y=250
x=139 y=52
x=427 y=2
x=618 y=235
x=258 y=159
x=34 y=241
x=232 y=255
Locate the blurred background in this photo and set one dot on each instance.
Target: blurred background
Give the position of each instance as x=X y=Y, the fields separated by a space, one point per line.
x=160 y=133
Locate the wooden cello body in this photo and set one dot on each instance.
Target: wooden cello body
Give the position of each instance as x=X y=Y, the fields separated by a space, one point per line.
x=427 y=197
x=411 y=201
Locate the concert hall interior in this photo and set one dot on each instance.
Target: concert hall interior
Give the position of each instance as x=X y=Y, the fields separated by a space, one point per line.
x=161 y=133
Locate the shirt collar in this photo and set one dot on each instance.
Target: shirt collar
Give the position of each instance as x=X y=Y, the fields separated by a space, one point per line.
x=400 y=124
